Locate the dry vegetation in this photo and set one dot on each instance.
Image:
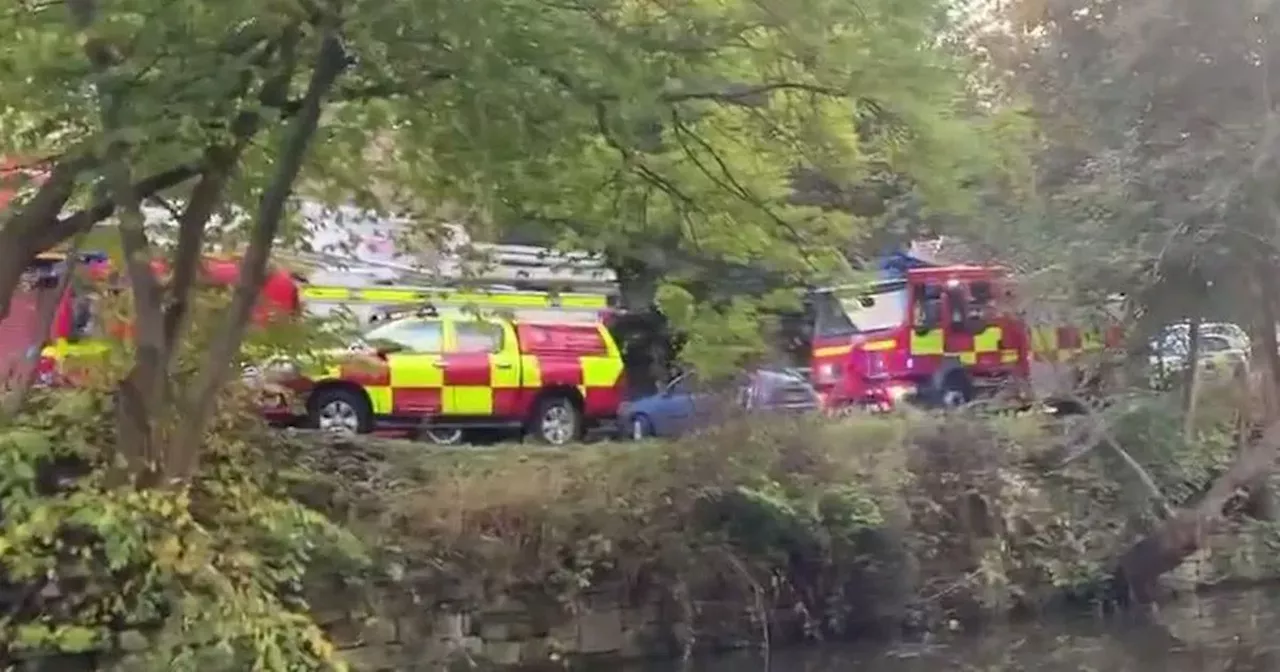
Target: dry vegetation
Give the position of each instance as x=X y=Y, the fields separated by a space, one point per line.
x=871 y=521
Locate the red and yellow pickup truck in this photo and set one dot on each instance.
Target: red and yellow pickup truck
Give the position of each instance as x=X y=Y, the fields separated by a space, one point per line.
x=441 y=375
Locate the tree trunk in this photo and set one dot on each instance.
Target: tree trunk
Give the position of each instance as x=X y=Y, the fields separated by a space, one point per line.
x=1191 y=377
x=186 y=444
x=1262 y=503
x=643 y=339
x=1139 y=569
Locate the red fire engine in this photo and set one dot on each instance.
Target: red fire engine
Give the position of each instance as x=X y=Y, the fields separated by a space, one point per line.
x=945 y=335
x=77 y=330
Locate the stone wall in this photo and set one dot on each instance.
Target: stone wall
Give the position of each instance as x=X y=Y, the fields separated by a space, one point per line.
x=534 y=632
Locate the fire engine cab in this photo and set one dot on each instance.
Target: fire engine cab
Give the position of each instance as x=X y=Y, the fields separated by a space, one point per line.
x=943 y=336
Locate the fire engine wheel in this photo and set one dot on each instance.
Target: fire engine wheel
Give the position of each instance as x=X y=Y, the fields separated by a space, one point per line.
x=557 y=422
x=340 y=411
x=956 y=391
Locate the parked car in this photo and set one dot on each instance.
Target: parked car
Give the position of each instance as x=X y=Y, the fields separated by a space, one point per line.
x=1224 y=348
x=684 y=404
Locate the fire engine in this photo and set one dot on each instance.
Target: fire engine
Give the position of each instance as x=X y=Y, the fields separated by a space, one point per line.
x=78 y=331
x=944 y=335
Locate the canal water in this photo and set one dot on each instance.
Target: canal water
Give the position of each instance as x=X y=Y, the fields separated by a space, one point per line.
x=1223 y=632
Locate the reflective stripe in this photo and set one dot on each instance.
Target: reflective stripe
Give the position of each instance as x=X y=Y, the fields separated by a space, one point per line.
x=468 y=400
x=988 y=340
x=1044 y=342
x=601 y=371
x=833 y=351
x=1009 y=357
x=380 y=399
x=930 y=343
x=515 y=299
x=416 y=370
x=875 y=346
x=530 y=371
x=62 y=349
x=310 y=293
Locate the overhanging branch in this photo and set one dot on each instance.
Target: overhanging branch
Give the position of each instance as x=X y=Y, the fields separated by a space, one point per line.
x=744 y=93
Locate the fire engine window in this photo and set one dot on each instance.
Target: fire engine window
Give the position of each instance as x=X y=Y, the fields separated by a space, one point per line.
x=958 y=305
x=478 y=337
x=980 y=293
x=927 y=310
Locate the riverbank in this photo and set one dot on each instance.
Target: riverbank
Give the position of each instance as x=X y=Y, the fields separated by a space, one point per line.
x=749 y=536
x=397 y=556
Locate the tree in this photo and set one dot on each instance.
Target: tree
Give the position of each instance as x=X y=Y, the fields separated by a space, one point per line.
x=689 y=129
x=1158 y=151
x=643 y=130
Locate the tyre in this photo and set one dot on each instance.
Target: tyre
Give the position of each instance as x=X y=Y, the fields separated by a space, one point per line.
x=340 y=410
x=956 y=391
x=443 y=437
x=641 y=428
x=557 y=421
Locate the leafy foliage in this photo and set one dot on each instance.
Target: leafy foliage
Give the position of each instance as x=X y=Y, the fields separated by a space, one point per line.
x=208 y=576
x=671 y=138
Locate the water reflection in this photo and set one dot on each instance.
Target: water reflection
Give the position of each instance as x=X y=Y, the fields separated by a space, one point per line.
x=1226 y=632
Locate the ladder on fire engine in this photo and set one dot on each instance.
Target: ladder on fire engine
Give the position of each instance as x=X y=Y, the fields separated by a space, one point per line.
x=373 y=300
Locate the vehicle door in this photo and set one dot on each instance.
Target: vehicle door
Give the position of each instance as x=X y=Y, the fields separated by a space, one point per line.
x=970 y=334
x=986 y=332
x=416 y=366
x=677 y=407
x=482 y=370
x=928 y=317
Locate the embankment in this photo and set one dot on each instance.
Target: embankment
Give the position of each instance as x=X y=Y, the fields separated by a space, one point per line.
x=394 y=556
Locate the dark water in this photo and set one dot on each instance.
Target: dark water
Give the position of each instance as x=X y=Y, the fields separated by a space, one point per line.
x=1226 y=632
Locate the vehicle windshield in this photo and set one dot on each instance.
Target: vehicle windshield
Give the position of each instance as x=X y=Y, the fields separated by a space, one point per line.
x=883 y=306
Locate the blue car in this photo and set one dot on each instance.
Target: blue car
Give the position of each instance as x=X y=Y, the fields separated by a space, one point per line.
x=684 y=405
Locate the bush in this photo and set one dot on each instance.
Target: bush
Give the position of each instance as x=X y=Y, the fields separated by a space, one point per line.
x=205 y=578
x=855 y=524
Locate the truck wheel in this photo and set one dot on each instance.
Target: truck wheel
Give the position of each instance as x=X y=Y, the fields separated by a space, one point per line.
x=956 y=391
x=340 y=410
x=557 y=421
x=443 y=437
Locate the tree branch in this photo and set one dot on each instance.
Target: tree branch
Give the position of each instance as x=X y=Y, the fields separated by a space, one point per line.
x=20 y=238
x=220 y=161
x=744 y=94
x=330 y=63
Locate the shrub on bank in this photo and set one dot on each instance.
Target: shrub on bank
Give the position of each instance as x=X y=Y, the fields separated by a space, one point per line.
x=201 y=578
x=861 y=523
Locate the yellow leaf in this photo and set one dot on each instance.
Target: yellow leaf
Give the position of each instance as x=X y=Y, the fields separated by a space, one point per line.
x=168 y=552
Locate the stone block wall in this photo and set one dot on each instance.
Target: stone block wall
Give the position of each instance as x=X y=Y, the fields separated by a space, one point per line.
x=508 y=632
